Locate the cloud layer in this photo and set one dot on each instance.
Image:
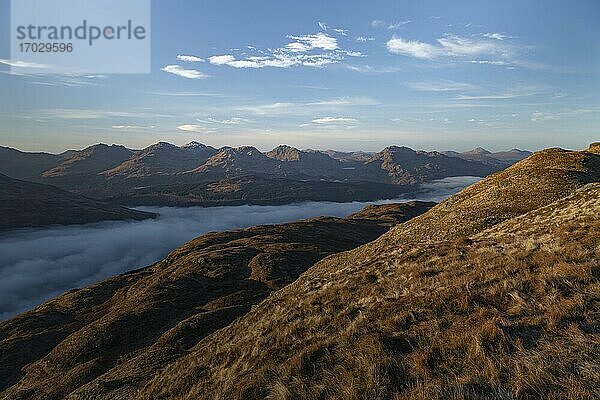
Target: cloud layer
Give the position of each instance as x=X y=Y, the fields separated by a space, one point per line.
x=37 y=265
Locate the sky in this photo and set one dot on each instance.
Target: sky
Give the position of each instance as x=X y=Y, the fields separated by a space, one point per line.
x=345 y=75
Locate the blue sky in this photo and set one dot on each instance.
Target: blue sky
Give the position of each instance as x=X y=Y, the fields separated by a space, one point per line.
x=349 y=75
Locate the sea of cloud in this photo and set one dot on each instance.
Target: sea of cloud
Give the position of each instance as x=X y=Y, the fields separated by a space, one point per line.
x=36 y=265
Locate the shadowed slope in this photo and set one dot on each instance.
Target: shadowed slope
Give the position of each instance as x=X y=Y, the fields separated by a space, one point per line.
x=30 y=205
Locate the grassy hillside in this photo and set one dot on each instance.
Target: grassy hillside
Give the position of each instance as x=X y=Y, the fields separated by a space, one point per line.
x=447 y=305
x=107 y=340
x=492 y=294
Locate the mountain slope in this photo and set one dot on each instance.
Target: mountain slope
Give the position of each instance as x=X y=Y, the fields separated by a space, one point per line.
x=107 y=340
x=28 y=205
x=450 y=309
x=163 y=159
x=255 y=190
x=500 y=160
x=403 y=165
x=21 y=165
x=90 y=161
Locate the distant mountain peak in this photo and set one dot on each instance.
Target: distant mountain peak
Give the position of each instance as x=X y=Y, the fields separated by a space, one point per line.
x=399 y=149
x=284 y=153
x=193 y=144
x=478 y=150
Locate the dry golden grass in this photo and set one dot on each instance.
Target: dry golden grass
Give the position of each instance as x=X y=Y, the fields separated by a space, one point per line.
x=107 y=340
x=497 y=318
x=455 y=304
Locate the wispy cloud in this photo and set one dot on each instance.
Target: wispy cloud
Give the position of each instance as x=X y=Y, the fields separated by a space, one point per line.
x=22 y=64
x=334 y=120
x=310 y=106
x=370 y=69
x=442 y=86
x=453 y=46
x=82 y=114
x=181 y=57
x=541 y=116
x=67 y=80
x=345 y=101
x=391 y=26
x=497 y=36
x=133 y=127
x=397 y=25
x=228 y=121
x=365 y=39
x=311 y=50
x=196 y=128
x=185 y=94
x=267 y=108
x=324 y=26
x=412 y=48
x=184 y=73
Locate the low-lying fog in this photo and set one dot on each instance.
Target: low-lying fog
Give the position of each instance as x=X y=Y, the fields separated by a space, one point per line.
x=36 y=265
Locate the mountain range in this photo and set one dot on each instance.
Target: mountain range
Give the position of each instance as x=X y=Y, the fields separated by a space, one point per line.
x=196 y=174
x=492 y=293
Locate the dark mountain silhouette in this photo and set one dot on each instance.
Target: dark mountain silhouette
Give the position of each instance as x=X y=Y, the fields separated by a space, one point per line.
x=21 y=165
x=32 y=205
x=199 y=174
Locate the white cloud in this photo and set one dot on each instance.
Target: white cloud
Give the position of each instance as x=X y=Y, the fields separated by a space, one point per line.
x=282 y=58
x=313 y=50
x=325 y=27
x=22 y=64
x=309 y=107
x=196 y=128
x=184 y=73
x=497 y=36
x=456 y=45
x=397 y=25
x=317 y=41
x=511 y=94
x=452 y=46
x=133 y=127
x=364 y=39
x=298 y=47
x=189 y=58
x=412 y=48
x=230 y=121
x=490 y=62
x=346 y=101
x=221 y=60
x=369 y=69
x=268 y=108
x=334 y=120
